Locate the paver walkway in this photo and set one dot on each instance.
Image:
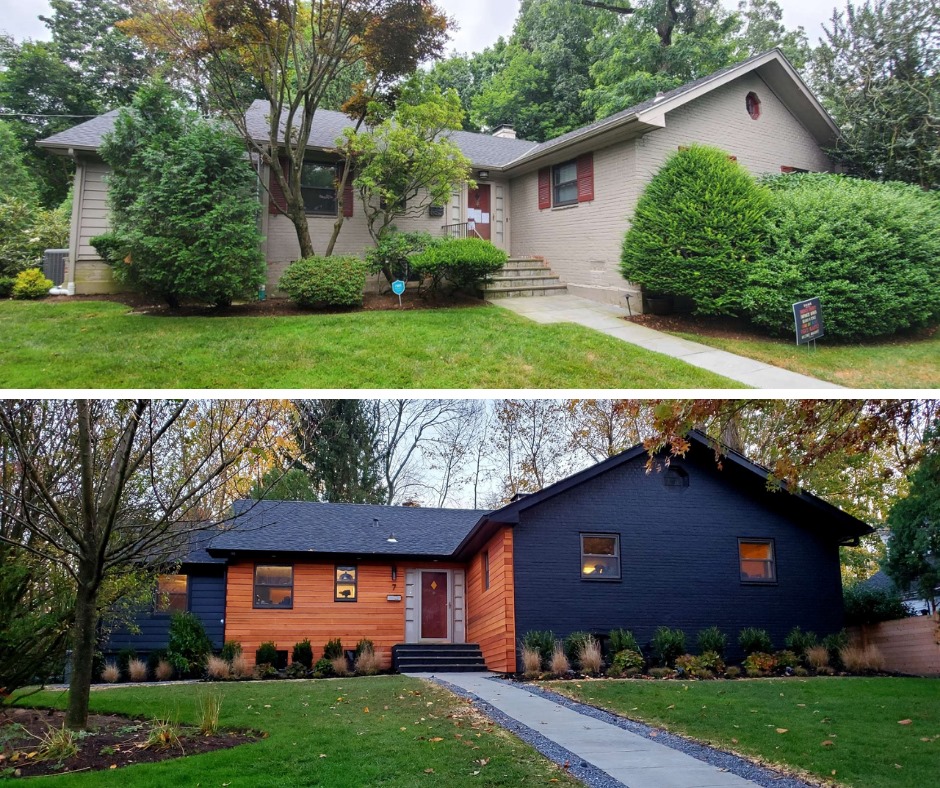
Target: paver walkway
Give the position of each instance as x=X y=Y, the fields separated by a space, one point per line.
x=606 y=318
x=633 y=760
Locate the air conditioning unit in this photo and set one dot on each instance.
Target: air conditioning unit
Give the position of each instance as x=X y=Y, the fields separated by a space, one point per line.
x=53 y=265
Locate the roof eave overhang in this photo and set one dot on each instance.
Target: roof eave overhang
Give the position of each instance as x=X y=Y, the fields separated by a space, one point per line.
x=282 y=554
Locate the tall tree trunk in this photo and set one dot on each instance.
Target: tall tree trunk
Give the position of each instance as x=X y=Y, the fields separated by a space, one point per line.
x=298 y=216
x=83 y=652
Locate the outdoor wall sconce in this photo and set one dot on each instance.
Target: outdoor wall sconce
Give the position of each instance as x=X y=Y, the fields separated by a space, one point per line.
x=483 y=174
x=394 y=572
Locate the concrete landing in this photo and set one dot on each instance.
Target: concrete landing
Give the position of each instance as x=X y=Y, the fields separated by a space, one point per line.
x=607 y=319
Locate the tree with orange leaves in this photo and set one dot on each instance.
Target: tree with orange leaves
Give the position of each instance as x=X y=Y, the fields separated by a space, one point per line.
x=292 y=52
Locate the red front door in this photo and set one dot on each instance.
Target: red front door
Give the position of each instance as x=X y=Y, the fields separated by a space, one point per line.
x=434 y=606
x=478 y=209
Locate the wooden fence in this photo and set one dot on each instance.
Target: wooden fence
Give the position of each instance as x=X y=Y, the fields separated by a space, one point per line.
x=909 y=645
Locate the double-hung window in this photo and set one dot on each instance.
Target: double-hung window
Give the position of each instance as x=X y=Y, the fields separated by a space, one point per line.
x=565 y=183
x=318 y=187
x=172 y=594
x=757 y=561
x=600 y=556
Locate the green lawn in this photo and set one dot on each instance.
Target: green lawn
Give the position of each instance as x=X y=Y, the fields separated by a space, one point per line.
x=99 y=344
x=858 y=717
x=892 y=364
x=384 y=731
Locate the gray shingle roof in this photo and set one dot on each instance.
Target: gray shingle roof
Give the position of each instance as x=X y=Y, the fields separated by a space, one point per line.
x=85 y=135
x=304 y=527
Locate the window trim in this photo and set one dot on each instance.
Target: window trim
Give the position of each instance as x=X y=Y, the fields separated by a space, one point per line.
x=332 y=165
x=254 y=584
x=556 y=203
x=772 y=561
x=602 y=535
x=169 y=611
x=485 y=558
x=354 y=570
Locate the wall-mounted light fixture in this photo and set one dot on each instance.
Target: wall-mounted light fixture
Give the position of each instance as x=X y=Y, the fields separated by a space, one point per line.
x=394 y=572
x=483 y=174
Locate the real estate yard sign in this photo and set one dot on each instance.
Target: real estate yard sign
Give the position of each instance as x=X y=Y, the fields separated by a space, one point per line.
x=808 y=318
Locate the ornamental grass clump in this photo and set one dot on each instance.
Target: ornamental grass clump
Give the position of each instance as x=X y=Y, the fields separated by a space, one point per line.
x=340 y=666
x=163 y=671
x=869 y=251
x=817 y=657
x=542 y=641
x=241 y=669
x=111 y=673
x=531 y=661
x=218 y=669
x=698 y=228
x=137 y=670
x=559 y=664
x=862 y=659
x=589 y=657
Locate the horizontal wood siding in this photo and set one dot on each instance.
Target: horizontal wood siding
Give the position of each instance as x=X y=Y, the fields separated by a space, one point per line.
x=206 y=601
x=315 y=615
x=909 y=645
x=491 y=612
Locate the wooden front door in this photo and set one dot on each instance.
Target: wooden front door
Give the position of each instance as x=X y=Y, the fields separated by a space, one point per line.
x=478 y=209
x=434 y=606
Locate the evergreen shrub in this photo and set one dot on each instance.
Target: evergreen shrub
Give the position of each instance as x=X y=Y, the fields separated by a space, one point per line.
x=461 y=261
x=698 y=228
x=325 y=281
x=869 y=251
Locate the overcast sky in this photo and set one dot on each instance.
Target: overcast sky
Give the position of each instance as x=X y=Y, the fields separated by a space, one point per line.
x=481 y=22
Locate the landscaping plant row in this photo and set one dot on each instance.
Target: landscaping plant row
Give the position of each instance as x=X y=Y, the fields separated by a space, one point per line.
x=189 y=654
x=666 y=655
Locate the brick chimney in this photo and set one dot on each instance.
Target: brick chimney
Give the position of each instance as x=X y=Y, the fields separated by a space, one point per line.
x=505 y=131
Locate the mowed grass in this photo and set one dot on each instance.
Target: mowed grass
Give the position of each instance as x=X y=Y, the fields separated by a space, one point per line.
x=98 y=344
x=892 y=364
x=382 y=731
x=840 y=729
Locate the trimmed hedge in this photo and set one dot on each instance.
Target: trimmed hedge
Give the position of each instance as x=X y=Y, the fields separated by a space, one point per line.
x=325 y=281
x=697 y=229
x=461 y=261
x=870 y=252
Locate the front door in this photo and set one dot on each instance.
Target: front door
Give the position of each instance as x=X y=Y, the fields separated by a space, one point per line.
x=434 y=606
x=478 y=209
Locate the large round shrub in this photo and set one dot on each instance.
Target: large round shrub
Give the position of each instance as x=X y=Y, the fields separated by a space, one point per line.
x=325 y=281
x=870 y=252
x=698 y=228
x=461 y=261
x=31 y=284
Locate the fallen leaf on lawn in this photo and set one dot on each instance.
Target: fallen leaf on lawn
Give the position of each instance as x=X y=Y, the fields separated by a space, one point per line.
x=113 y=766
x=365 y=710
x=925 y=739
x=322 y=755
x=801 y=705
x=483 y=761
x=828 y=743
x=734 y=741
x=782 y=730
x=898 y=766
x=436 y=738
x=402 y=728
x=833 y=772
x=267 y=705
x=905 y=722
x=671 y=706
x=429 y=771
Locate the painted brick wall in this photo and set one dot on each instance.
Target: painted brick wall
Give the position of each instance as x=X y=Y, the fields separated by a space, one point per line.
x=679 y=558
x=582 y=242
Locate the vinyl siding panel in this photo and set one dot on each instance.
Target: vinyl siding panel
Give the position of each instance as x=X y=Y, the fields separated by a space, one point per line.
x=679 y=559
x=491 y=612
x=315 y=615
x=91 y=274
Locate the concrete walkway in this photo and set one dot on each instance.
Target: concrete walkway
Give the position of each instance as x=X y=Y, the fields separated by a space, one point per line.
x=606 y=318
x=633 y=760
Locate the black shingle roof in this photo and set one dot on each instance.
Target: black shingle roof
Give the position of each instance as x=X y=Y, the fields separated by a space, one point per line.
x=304 y=527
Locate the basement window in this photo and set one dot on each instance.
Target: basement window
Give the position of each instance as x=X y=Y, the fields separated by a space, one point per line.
x=274 y=586
x=600 y=557
x=757 y=561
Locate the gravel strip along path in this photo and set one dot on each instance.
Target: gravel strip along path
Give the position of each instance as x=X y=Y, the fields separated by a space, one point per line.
x=761 y=775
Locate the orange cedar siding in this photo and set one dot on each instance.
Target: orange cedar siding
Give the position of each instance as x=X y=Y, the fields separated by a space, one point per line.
x=315 y=615
x=491 y=613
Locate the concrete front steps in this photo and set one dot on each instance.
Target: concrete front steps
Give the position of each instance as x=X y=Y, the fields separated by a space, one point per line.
x=523 y=276
x=443 y=658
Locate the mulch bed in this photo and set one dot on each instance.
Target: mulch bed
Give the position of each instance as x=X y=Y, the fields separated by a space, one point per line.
x=737 y=329
x=112 y=741
x=372 y=302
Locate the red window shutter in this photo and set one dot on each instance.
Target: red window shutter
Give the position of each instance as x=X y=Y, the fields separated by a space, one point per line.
x=277 y=201
x=348 y=198
x=586 y=177
x=545 y=188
